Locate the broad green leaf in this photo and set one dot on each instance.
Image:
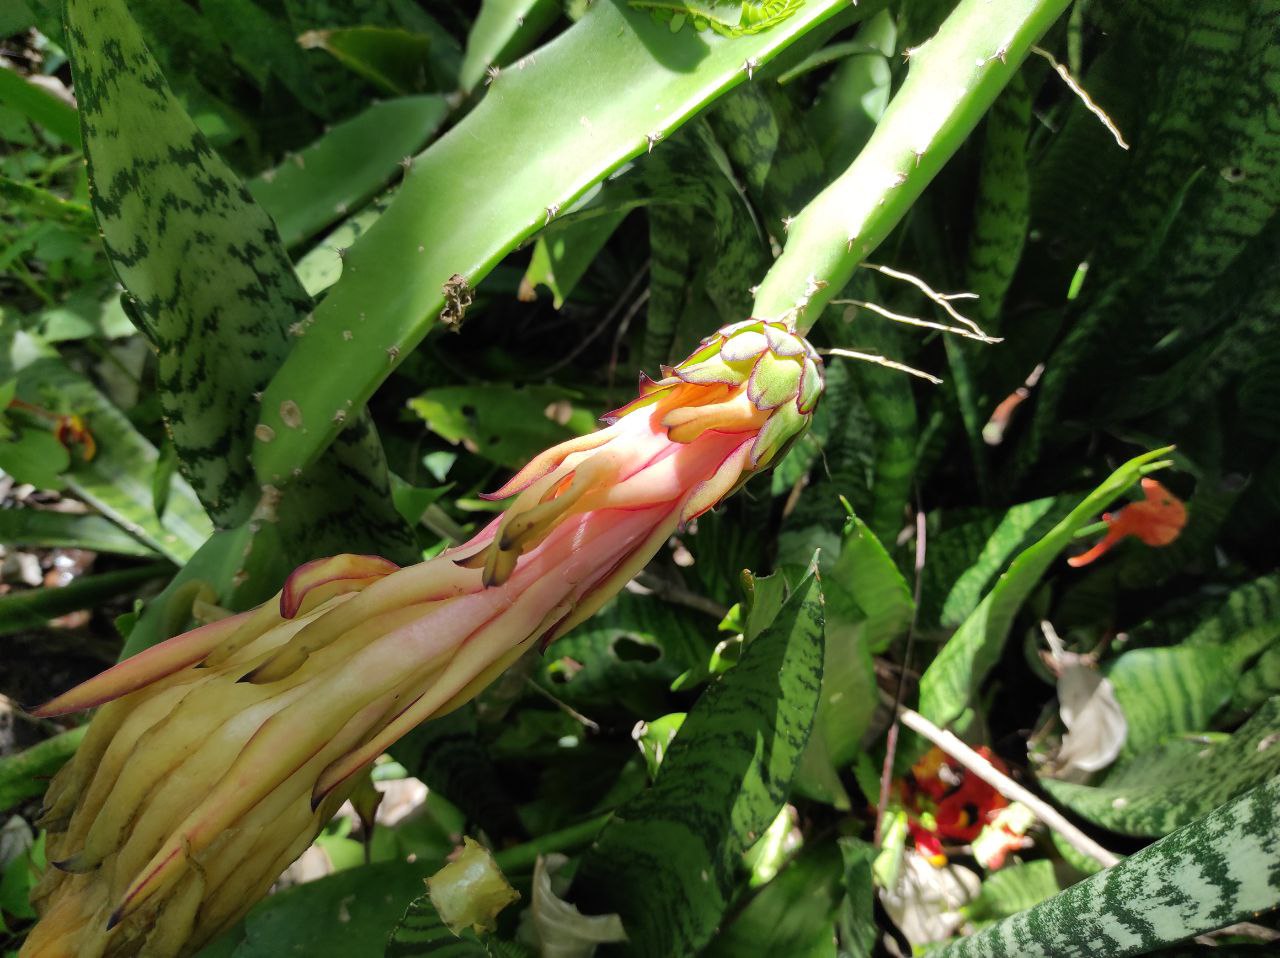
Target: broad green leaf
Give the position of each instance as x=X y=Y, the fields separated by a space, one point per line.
x=955 y=674
x=626 y=656
x=345 y=167
x=667 y=862
x=1219 y=869
x=1172 y=784
x=501 y=31
x=868 y=605
x=46 y=529
x=32 y=608
x=793 y=915
x=344 y=915
x=1166 y=692
x=25 y=774
x=117 y=481
x=599 y=89
x=392 y=59
x=562 y=256
x=1014 y=889
x=420 y=931
x=34 y=455
x=39 y=105
x=504 y=424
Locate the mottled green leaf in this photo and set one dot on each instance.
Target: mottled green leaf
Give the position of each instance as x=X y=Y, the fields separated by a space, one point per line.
x=666 y=863
x=1217 y=870
x=1169 y=785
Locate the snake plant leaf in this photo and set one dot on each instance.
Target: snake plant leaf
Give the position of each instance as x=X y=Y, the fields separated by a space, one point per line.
x=954 y=676
x=209 y=283
x=344 y=168
x=1217 y=870
x=667 y=861
x=601 y=92
x=191 y=249
x=1171 y=784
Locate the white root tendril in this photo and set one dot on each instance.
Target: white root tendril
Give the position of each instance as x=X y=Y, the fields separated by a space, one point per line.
x=881 y=361
x=942 y=300
x=916 y=321
x=1087 y=100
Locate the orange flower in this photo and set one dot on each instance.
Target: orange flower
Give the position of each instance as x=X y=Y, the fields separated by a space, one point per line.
x=1157 y=520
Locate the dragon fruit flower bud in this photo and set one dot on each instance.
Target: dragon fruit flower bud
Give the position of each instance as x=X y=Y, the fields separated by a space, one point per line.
x=218 y=755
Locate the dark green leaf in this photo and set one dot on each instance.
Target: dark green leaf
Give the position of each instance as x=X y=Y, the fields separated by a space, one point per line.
x=667 y=862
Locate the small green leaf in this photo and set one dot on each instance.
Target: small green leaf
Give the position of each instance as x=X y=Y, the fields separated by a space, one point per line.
x=393 y=59
x=40 y=106
x=35 y=456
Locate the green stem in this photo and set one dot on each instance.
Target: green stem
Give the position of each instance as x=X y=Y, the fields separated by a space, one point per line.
x=954 y=78
x=523 y=857
x=32 y=608
x=25 y=775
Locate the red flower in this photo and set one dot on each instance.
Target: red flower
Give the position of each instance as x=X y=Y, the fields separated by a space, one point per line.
x=1156 y=520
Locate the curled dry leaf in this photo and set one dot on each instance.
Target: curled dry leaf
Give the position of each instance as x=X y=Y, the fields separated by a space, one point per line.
x=1096 y=726
x=560 y=929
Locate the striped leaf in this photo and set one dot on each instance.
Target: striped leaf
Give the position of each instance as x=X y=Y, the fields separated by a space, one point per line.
x=668 y=861
x=1170 y=785
x=1217 y=870
x=206 y=279
x=952 y=678
x=422 y=932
